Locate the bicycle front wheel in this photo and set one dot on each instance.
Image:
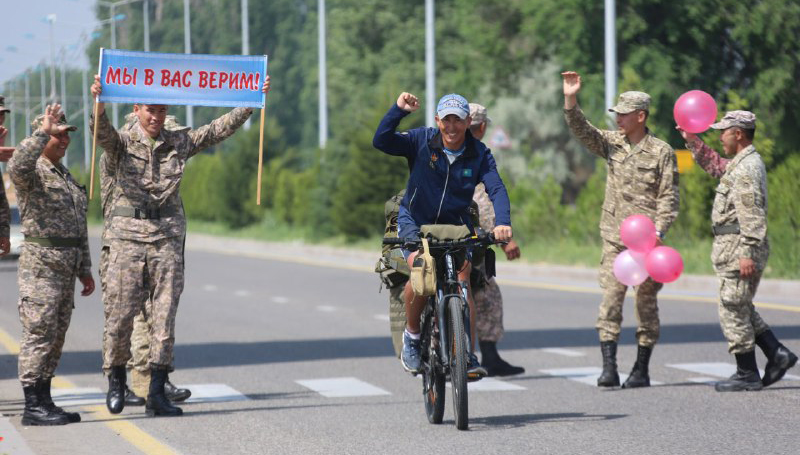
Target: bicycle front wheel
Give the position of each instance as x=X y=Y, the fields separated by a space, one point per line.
x=458 y=361
x=432 y=373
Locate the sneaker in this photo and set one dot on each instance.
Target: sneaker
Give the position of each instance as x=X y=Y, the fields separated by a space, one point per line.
x=474 y=368
x=411 y=354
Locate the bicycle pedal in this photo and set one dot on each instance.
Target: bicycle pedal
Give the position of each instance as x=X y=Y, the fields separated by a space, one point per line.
x=474 y=377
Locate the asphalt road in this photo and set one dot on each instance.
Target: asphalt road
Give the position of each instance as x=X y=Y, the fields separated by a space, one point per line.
x=293 y=356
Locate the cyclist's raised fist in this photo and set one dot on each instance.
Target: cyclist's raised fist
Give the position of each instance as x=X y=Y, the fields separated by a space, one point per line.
x=407 y=102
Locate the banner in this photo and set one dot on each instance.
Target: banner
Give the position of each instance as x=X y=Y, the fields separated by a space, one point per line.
x=182 y=79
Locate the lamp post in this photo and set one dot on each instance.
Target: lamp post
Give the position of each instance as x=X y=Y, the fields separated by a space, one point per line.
x=323 y=77
x=187 y=43
x=610 y=56
x=246 y=40
x=430 y=64
x=51 y=19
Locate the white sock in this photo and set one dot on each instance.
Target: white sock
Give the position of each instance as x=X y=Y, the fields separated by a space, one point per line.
x=414 y=336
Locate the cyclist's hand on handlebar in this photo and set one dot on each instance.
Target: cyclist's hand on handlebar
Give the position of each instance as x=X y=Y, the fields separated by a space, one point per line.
x=502 y=233
x=511 y=249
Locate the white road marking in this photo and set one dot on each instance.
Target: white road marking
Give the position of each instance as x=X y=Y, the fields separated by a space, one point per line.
x=326 y=308
x=586 y=375
x=209 y=287
x=12 y=441
x=491 y=385
x=280 y=299
x=382 y=317
x=718 y=369
x=342 y=387
x=242 y=293
x=213 y=393
x=564 y=352
x=703 y=380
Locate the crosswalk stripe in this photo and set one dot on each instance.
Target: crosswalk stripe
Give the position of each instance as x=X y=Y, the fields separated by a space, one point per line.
x=491 y=385
x=213 y=393
x=718 y=369
x=342 y=387
x=280 y=299
x=564 y=352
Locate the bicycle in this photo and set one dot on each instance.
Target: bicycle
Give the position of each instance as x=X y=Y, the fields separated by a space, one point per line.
x=445 y=328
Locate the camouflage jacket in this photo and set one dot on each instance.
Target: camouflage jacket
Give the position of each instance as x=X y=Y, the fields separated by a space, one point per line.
x=741 y=197
x=5 y=211
x=51 y=202
x=707 y=158
x=642 y=178
x=485 y=207
x=146 y=175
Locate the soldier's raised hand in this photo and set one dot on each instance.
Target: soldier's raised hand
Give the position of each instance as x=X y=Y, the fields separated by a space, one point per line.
x=97 y=89
x=52 y=114
x=265 y=87
x=407 y=102
x=572 y=83
x=687 y=136
x=3 y=134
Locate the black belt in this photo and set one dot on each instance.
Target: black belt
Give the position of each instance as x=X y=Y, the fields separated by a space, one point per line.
x=144 y=214
x=55 y=241
x=727 y=229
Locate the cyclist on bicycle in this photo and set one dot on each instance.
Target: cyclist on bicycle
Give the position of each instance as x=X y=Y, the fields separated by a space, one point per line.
x=445 y=164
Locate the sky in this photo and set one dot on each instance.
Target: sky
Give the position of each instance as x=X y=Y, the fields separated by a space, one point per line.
x=26 y=33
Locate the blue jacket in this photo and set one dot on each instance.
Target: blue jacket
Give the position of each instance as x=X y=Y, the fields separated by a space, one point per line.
x=439 y=192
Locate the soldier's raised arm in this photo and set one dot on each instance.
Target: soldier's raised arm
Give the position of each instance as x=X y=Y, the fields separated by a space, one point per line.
x=592 y=138
x=107 y=137
x=708 y=159
x=22 y=166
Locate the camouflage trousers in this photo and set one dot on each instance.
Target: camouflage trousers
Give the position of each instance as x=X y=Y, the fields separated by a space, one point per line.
x=46 y=298
x=489 y=310
x=609 y=319
x=141 y=277
x=740 y=321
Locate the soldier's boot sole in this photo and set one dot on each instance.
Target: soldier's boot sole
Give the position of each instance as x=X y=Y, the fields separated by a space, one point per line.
x=44 y=419
x=738 y=386
x=637 y=381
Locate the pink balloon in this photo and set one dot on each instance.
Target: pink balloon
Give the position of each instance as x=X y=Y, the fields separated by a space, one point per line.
x=638 y=233
x=664 y=264
x=695 y=111
x=628 y=271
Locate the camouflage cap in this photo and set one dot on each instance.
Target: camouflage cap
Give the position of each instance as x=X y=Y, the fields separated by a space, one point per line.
x=3 y=107
x=62 y=121
x=478 y=114
x=742 y=119
x=631 y=101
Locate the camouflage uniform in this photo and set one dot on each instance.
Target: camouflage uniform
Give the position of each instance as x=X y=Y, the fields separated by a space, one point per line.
x=5 y=211
x=53 y=211
x=741 y=199
x=642 y=178
x=485 y=291
x=145 y=228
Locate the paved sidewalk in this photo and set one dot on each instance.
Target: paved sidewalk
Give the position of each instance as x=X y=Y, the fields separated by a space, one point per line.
x=783 y=292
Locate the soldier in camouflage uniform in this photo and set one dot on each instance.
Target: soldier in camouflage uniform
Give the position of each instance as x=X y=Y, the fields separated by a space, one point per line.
x=138 y=365
x=145 y=235
x=485 y=291
x=642 y=179
x=741 y=249
x=55 y=253
x=5 y=211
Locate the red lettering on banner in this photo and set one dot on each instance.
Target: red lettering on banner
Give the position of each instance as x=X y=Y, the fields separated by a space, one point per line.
x=258 y=78
x=223 y=77
x=164 y=78
x=247 y=80
x=186 y=81
x=127 y=78
x=234 y=83
x=113 y=76
x=148 y=76
x=176 y=79
x=212 y=80
x=203 y=79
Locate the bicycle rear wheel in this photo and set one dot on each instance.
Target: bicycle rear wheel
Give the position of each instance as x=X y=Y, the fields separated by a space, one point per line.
x=458 y=361
x=432 y=374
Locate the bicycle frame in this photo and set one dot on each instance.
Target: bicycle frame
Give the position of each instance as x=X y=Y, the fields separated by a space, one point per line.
x=448 y=286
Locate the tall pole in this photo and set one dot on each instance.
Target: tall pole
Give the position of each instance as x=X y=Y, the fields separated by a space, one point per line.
x=27 y=103
x=114 y=108
x=86 y=131
x=53 y=95
x=43 y=86
x=611 y=55
x=430 y=65
x=323 y=75
x=146 y=16
x=187 y=43
x=246 y=40
x=13 y=113
x=64 y=98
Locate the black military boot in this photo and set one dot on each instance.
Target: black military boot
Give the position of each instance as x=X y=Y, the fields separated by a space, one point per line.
x=496 y=366
x=609 y=377
x=47 y=400
x=746 y=376
x=115 y=399
x=175 y=394
x=779 y=358
x=131 y=399
x=640 y=375
x=157 y=402
x=36 y=413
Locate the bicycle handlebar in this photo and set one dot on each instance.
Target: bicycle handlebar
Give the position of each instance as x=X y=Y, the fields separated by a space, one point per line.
x=475 y=240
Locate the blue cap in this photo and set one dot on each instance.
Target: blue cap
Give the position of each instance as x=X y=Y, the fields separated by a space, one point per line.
x=452 y=104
